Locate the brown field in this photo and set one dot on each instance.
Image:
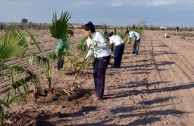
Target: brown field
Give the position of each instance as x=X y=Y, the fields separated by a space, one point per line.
x=154 y=88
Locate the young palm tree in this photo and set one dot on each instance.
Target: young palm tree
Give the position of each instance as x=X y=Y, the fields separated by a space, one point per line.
x=13 y=44
x=62 y=30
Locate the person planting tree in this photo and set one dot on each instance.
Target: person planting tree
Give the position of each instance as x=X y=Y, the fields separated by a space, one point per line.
x=119 y=48
x=61 y=30
x=97 y=45
x=136 y=37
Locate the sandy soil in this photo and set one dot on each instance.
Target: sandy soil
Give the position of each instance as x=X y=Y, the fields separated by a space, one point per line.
x=154 y=88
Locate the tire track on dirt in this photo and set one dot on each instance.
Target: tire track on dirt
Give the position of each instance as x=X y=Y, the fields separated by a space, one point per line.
x=157 y=76
x=179 y=70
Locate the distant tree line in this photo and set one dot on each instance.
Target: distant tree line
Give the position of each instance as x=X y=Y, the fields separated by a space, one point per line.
x=44 y=26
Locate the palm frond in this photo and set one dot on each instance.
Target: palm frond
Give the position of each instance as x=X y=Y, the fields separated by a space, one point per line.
x=9 y=45
x=22 y=82
x=60 y=27
x=3 y=103
x=34 y=40
x=11 y=100
x=82 y=47
x=6 y=104
x=43 y=61
x=2 y=115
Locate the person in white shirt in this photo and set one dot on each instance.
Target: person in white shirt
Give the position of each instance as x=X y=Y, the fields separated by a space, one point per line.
x=119 y=48
x=97 y=46
x=136 y=37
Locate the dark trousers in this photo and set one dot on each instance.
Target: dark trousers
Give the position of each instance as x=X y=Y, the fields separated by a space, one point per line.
x=60 y=63
x=118 y=53
x=136 y=46
x=100 y=66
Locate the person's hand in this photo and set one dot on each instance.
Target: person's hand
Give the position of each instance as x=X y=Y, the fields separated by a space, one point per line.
x=92 y=42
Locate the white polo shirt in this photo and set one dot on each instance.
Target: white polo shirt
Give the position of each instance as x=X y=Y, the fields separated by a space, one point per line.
x=116 y=39
x=102 y=49
x=134 y=34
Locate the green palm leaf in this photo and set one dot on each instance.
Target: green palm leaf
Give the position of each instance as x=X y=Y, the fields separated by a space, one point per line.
x=17 y=84
x=3 y=103
x=9 y=45
x=82 y=47
x=34 y=40
x=60 y=28
x=6 y=104
x=23 y=81
x=2 y=116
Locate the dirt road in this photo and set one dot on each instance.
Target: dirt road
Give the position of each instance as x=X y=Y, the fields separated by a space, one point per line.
x=154 y=88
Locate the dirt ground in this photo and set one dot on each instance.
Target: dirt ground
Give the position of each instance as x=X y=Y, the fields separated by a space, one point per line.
x=154 y=88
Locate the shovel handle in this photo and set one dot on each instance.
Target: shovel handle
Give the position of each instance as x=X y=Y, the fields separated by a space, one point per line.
x=81 y=65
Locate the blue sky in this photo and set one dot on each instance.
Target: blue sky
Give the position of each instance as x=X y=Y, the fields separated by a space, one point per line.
x=109 y=12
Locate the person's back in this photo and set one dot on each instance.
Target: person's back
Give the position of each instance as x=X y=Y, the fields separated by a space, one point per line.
x=136 y=37
x=134 y=34
x=116 y=39
x=119 y=48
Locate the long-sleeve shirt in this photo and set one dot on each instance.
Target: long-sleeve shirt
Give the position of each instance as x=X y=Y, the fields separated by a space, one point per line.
x=101 y=50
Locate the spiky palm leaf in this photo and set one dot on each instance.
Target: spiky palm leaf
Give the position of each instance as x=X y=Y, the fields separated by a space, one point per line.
x=6 y=103
x=33 y=40
x=82 y=47
x=45 y=63
x=23 y=81
x=60 y=28
x=10 y=45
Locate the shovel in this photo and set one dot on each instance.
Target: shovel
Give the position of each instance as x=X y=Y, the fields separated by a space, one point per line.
x=76 y=75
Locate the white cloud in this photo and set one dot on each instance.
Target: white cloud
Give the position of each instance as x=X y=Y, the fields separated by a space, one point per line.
x=117 y=4
x=155 y=3
x=160 y=3
x=148 y=3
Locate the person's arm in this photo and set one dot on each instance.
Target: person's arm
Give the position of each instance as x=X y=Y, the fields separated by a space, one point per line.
x=100 y=41
x=127 y=42
x=90 y=45
x=90 y=52
x=134 y=39
x=101 y=45
x=112 y=47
